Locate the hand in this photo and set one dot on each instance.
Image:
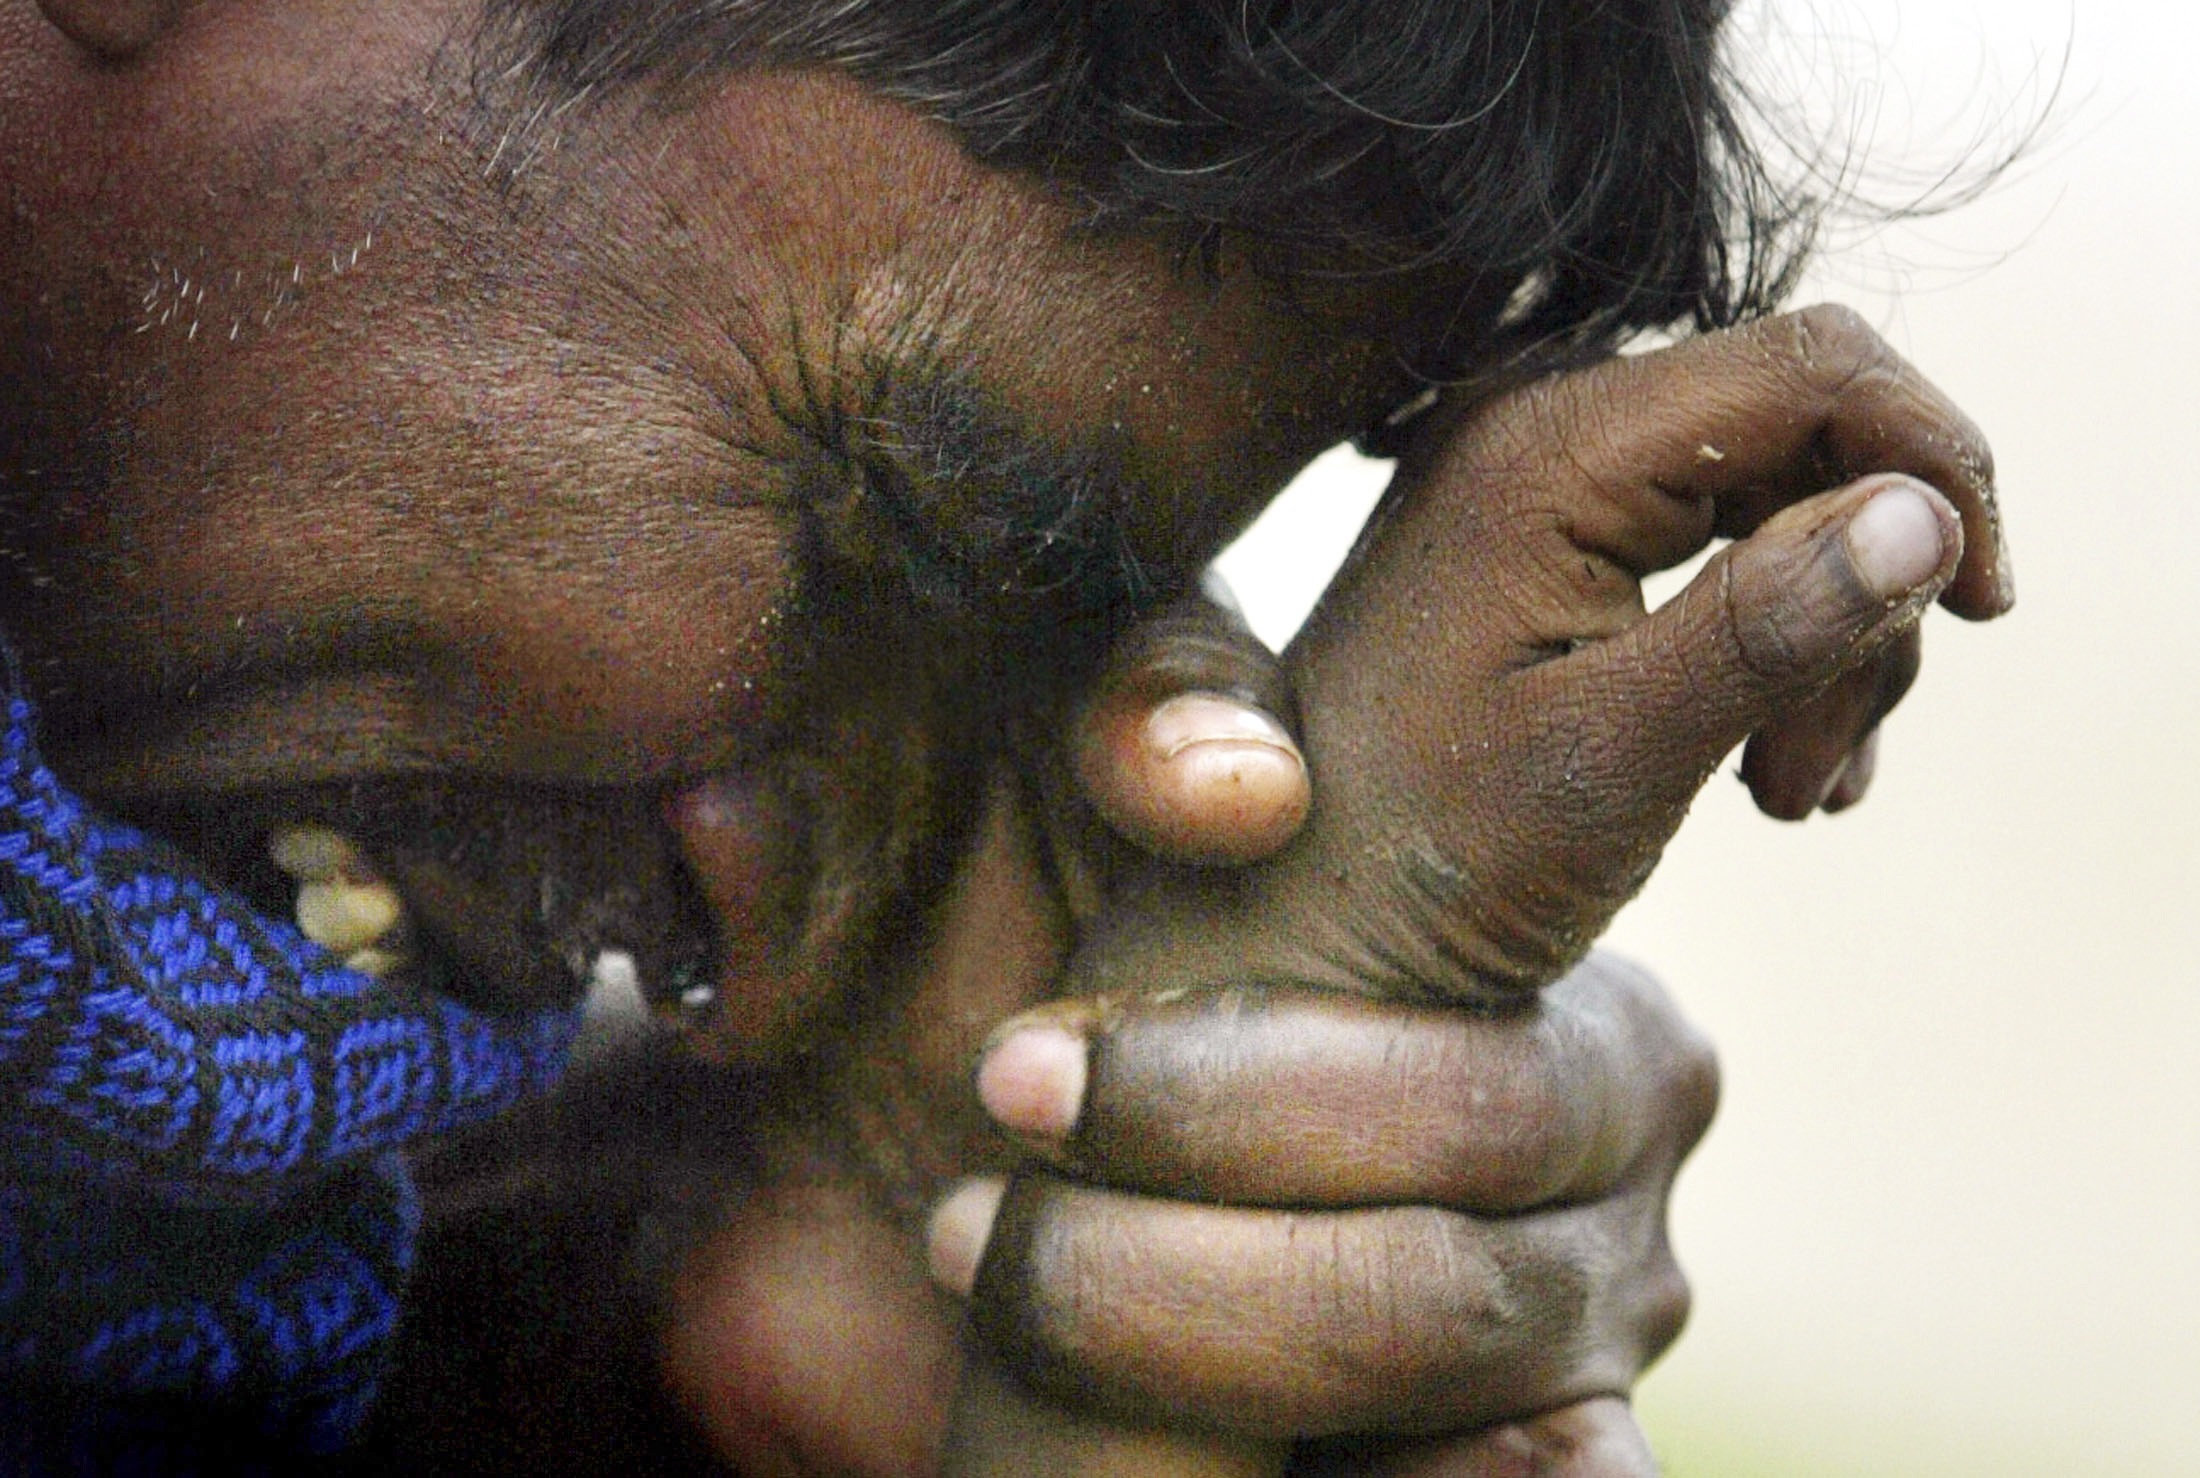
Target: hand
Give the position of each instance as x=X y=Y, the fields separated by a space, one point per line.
x=1476 y=1233
x=1502 y=740
x=782 y=1324
x=1287 y=1055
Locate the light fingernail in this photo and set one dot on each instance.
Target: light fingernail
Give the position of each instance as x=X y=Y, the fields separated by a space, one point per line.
x=1032 y=1081
x=961 y=1224
x=1897 y=541
x=1210 y=719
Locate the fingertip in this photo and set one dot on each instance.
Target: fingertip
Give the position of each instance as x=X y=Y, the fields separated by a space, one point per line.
x=1985 y=585
x=1598 y=1438
x=1904 y=536
x=1777 y=785
x=1854 y=780
x=1787 y=774
x=1032 y=1081
x=956 y=1235
x=1218 y=780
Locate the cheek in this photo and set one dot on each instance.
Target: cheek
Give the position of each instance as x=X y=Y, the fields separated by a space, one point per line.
x=619 y=644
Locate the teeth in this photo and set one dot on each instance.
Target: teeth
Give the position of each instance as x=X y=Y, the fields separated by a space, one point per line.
x=342 y=906
x=347 y=916
x=314 y=854
x=376 y=962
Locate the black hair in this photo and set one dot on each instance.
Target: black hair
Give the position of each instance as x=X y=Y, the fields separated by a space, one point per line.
x=1586 y=155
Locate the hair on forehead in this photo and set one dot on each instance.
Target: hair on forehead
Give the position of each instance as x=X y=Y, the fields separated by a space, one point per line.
x=1588 y=152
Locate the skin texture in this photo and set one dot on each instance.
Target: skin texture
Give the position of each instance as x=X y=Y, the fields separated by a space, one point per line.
x=564 y=484
x=1464 y=849
x=1505 y=577
x=509 y=501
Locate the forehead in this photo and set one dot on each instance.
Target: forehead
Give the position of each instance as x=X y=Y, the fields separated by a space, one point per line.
x=320 y=367
x=254 y=156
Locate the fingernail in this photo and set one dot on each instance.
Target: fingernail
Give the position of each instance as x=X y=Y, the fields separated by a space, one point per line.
x=1032 y=1081
x=1209 y=719
x=1897 y=541
x=955 y=1240
x=1854 y=778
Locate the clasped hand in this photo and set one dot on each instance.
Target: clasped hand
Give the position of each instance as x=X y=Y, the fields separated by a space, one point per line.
x=1279 y=1186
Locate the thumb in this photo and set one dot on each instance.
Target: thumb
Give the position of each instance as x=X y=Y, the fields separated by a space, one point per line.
x=1625 y=728
x=1817 y=590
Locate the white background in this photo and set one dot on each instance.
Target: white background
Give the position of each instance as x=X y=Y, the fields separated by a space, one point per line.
x=1949 y=1220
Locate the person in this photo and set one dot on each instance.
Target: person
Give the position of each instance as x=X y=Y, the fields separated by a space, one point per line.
x=645 y=479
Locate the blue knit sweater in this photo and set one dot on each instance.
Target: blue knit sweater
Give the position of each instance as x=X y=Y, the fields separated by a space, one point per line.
x=205 y=1221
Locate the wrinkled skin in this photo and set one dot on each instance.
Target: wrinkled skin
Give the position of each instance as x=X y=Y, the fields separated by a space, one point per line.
x=545 y=491
x=1470 y=846
x=1464 y=848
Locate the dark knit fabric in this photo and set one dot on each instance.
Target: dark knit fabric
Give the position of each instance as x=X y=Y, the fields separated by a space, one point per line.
x=205 y=1225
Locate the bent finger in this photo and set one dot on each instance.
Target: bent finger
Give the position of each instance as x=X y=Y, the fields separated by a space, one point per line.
x=1799 y=760
x=1272 y=1324
x=1855 y=777
x=1734 y=426
x=1310 y=1099
x=1635 y=722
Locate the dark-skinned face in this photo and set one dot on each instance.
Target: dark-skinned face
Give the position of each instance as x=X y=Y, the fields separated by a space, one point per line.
x=620 y=529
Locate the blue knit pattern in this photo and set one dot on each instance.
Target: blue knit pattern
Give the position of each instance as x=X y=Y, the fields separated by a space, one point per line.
x=202 y=1207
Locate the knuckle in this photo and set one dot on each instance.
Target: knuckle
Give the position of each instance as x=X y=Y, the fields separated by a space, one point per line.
x=1837 y=349
x=1828 y=325
x=1486 y=1301
x=1667 y=1300
x=1677 y=1058
x=1198 y=645
x=1426 y=1302
x=1698 y=1084
x=1772 y=628
x=1561 y=425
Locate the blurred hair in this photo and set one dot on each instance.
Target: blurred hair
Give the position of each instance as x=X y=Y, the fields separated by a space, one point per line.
x=1586 y=154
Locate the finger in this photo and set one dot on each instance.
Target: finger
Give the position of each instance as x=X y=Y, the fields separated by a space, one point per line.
x=1599 y=1438
x=1002 y=1430
x=775 y=1331
x=1269 y=1324
x=1630 y=726
x=1794 y=763
x=1750 y=421
x=1319 y=1100
x=1546 y=834
x=1184 y=746
x=1856 y=776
